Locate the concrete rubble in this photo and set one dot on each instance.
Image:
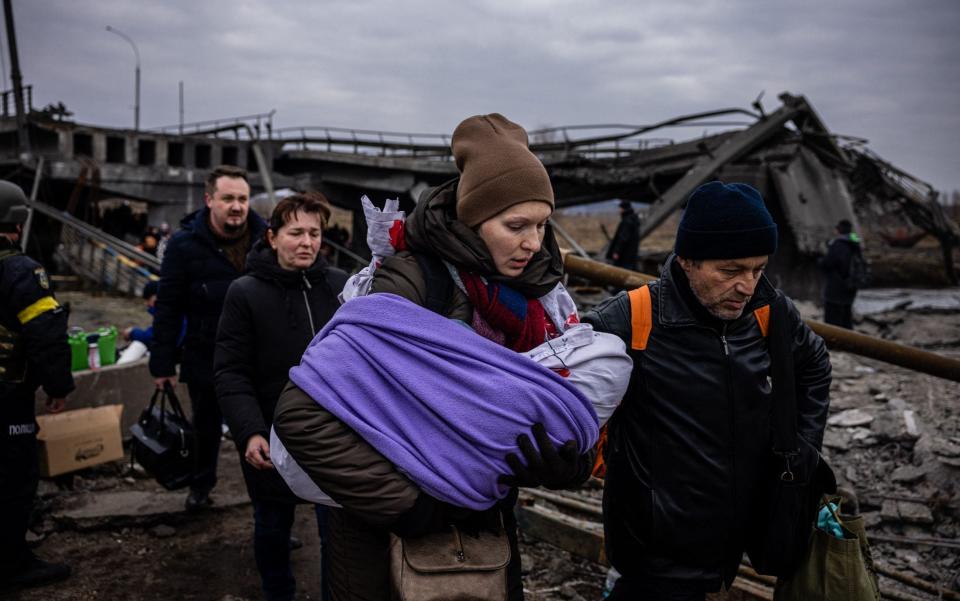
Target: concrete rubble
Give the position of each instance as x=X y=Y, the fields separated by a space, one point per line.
x=893 y=436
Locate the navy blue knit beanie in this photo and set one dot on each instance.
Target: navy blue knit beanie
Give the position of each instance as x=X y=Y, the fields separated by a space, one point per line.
x=725 y=221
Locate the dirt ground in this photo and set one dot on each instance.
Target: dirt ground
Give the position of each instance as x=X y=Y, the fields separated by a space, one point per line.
x=209 y=556
x=906 y=480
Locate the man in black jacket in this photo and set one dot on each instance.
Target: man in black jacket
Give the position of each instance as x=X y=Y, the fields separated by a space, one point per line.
x=839 y=287
x=33 y=352
x=200 y=262
x=626 y=241
x=686 y=448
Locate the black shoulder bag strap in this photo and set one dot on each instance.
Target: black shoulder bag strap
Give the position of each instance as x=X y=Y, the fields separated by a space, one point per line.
x=164 y=394
x=438 y=282
x=784 y=414
x=175 y=405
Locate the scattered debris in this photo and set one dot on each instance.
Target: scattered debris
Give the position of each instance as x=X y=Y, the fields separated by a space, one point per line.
x=850 y=418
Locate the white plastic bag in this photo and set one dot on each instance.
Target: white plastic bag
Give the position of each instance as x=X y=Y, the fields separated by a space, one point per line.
x=596 y=363
x=384 y=238
x=135 y=351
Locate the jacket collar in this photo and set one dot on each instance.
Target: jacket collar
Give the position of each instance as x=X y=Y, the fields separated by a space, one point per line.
x=198 y=222
x=673 y=310
x=433 y=228
x=262 y=264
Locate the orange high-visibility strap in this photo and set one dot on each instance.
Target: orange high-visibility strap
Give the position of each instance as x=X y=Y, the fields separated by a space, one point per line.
x=641 y=322
x=763 y=318
x=599 y=466
x=641 y=317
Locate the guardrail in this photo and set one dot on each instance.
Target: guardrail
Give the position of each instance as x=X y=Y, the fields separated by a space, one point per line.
x=251 y=125
x=607 y=140
x=106 y=261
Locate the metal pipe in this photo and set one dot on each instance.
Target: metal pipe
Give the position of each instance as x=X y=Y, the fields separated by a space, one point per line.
x=836 y=338
x=915 y=582
x=602 y=273
x=888 y=352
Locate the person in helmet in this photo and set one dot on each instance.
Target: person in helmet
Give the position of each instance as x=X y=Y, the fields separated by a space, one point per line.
x=33 y=352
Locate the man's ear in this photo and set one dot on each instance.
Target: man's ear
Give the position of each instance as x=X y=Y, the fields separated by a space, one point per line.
x=685 y=264
x=207 y=199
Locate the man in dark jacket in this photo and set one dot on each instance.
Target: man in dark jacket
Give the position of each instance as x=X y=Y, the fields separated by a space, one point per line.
x=839 y=287
x=200 y=262
x=33 y=352
x=626 y=241
x=687 y=446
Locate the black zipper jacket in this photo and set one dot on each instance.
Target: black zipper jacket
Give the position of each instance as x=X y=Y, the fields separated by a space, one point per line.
x=688 y=445
x=194 y=278
x=269 y=317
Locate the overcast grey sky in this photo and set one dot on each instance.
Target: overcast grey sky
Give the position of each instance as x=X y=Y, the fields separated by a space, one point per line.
x=886 y=70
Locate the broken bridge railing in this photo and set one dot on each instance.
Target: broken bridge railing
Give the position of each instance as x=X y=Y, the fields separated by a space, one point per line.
x=606 y=140
x=106 y=261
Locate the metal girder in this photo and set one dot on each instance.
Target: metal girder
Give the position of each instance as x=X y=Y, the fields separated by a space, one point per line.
x=738 y=145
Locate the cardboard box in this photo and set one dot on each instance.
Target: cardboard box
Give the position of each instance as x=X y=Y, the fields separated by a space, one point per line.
x=76 y=439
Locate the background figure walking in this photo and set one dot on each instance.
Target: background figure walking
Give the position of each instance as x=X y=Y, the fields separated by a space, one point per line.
x=626 y=241
x=845 y=271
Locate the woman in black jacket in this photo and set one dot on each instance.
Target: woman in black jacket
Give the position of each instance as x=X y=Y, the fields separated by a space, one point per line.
x=269 y=317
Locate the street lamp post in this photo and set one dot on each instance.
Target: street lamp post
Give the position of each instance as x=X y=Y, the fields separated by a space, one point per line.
x=136 y=93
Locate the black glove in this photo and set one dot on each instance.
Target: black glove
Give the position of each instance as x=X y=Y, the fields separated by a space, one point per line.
x=551 y=467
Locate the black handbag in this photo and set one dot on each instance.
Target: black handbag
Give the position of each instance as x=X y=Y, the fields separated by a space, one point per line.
x=164 y=441
x=789 y=499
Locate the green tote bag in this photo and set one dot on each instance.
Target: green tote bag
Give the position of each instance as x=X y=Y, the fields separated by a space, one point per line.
x=834 y=569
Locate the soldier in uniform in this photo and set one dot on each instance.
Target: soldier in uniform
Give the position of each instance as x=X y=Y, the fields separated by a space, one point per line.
x=33 y=352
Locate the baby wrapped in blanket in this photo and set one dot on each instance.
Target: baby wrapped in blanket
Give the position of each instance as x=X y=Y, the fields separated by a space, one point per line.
x=445 y=405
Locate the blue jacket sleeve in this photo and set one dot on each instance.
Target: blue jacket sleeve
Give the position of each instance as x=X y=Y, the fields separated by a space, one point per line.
x=144 y=335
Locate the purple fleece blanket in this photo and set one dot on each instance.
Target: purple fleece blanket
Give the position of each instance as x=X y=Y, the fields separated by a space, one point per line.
x=441 y=403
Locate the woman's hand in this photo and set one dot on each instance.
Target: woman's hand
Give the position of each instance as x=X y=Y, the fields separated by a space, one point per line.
x=258 y=453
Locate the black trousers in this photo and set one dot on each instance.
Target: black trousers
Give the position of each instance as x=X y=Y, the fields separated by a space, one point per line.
x=647 y=588
x=207 y=420
x=19 y=472
x=838 y=314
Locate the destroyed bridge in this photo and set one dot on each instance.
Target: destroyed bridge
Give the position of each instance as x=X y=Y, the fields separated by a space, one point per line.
x=810 y=177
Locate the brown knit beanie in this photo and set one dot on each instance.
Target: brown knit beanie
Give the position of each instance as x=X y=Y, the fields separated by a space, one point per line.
x=497 y=169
